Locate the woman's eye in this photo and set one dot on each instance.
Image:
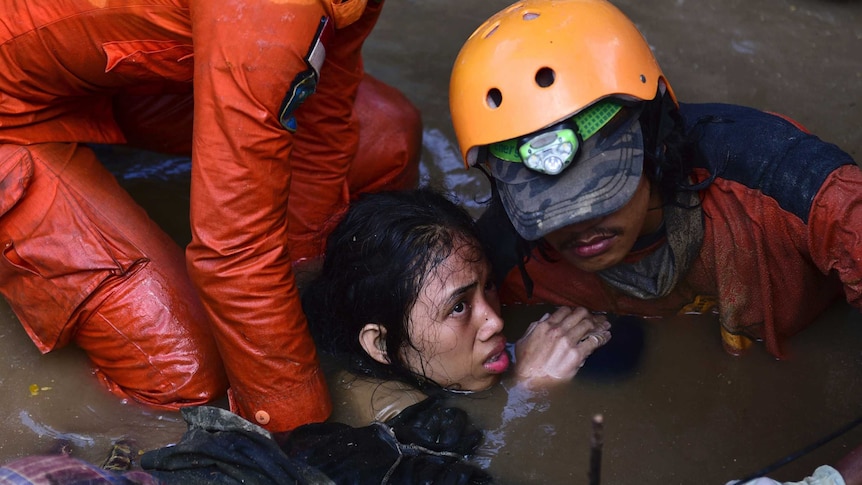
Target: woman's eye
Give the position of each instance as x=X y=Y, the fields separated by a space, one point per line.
x=459 y=308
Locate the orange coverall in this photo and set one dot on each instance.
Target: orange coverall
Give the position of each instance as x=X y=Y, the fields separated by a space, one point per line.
x=83 y=263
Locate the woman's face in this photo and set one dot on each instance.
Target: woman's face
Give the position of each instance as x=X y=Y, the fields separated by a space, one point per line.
x=455 y=324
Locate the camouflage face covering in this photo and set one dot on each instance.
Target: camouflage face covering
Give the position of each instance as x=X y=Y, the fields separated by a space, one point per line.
x=601 y=181
x=656 y=274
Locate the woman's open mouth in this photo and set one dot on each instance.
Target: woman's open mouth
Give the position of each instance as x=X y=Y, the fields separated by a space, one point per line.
x=499 y=362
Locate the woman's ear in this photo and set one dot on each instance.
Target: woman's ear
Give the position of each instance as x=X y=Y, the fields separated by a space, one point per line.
x=372 y=338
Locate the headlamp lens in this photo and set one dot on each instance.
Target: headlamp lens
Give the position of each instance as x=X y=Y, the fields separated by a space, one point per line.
x=551 y=150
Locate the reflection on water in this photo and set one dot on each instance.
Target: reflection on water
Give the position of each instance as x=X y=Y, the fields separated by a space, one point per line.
x=44 y=431
x=153 y=171
x=520 y=403
x=70 y=407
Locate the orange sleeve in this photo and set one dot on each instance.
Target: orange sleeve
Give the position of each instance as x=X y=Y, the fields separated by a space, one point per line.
x=322 y=156
x=246 y=55
x=835 y=230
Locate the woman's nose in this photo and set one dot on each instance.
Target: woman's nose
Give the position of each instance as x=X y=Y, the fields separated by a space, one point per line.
x=491 y=323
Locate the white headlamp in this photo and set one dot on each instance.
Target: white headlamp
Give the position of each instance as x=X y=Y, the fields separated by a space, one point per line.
x=551 y=150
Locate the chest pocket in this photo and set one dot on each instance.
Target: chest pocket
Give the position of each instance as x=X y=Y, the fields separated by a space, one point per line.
x=150 y=60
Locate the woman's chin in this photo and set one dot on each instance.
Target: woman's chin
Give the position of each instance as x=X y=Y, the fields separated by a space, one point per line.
x=485 y=384
x=475 y=384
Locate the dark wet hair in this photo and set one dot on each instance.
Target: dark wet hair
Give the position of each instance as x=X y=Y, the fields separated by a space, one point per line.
x=669 y=152
x=377 y=260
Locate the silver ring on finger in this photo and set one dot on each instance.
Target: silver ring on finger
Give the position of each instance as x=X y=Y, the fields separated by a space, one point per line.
x=591 y=336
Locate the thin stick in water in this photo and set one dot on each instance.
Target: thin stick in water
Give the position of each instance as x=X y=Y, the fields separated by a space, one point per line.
x=596 y=442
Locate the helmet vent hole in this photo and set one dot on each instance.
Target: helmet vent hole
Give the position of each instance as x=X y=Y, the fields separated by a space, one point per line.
x=530 y=15
x=545 y=77
x=643 y=79
x=491 y=31
x=494 y=98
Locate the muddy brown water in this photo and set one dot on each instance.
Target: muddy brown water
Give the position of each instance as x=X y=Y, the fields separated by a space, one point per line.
x=687 y=412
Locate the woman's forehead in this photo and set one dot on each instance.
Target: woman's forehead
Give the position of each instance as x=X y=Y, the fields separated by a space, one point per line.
x=464 y=266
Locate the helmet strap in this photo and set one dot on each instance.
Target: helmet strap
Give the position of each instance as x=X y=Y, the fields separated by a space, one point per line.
x=658 y=120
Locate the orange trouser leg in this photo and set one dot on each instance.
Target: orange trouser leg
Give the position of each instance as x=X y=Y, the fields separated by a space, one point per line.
x=390 y=140
x=387 y=158
x=83 y=263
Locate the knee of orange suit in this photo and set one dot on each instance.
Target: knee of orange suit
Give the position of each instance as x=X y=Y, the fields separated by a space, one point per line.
x=390 y=140
x=149 y=340
x=79 y=255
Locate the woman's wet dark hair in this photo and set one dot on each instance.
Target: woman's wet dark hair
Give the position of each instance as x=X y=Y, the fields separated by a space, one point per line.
x=377 y=260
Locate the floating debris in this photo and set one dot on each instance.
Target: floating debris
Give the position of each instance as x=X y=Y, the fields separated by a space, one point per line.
x=35 y=389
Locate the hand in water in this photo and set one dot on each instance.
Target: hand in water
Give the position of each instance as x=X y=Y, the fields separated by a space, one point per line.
x=554 y=348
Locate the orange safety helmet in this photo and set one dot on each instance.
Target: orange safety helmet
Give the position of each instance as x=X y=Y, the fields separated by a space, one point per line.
x=539 y=62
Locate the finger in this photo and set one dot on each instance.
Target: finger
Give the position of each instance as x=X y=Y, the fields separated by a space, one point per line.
x=590 y=337
x=580 y=323
x=548 y=323
x=529 y=331
x=595 y=323
x=559 y=315
x=580 y=313
x=594 y=340
x=602 y=321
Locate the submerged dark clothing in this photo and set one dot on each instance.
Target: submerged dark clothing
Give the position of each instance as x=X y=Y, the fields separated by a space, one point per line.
x=220 y=447
x=782 y=238
x=425 y=444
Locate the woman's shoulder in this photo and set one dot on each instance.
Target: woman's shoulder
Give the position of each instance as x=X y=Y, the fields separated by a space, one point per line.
x=359 y=400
